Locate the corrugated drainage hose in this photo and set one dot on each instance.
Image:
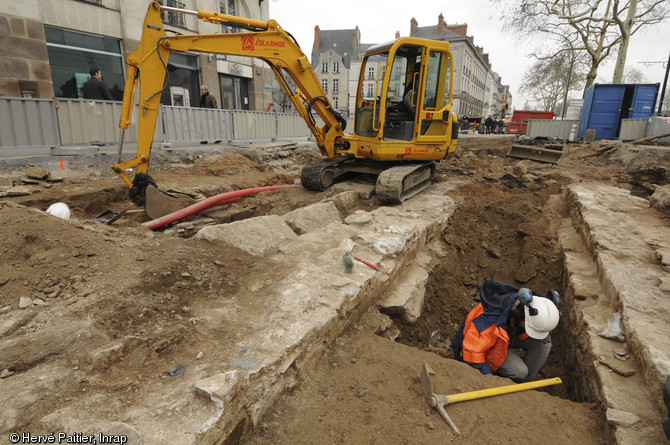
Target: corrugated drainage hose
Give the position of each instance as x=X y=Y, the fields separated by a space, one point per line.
x=216 y=200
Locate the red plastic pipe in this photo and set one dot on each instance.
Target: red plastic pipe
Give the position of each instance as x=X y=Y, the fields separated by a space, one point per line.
x=213 y=201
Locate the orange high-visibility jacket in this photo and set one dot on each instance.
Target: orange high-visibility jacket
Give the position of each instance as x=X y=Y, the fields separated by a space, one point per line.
x=486 y=347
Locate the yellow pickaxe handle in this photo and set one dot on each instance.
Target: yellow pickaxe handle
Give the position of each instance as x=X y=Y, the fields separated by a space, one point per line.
x=480 y=394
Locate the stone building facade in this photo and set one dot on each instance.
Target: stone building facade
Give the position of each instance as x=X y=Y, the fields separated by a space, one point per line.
x=332 y=56
x=477 y=90
x=48 y=47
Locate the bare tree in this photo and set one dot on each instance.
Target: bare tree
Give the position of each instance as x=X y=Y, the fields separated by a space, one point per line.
x=639 y=13
x=542 y=88
x=590 y=25
x=280 y=99
x=547 y=80
x=633 y=75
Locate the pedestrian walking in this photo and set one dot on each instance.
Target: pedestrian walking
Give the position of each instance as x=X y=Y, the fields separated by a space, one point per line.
x=206 y=99
x=94 y=88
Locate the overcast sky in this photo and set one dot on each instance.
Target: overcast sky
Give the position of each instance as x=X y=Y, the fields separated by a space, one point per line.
x=378 y=21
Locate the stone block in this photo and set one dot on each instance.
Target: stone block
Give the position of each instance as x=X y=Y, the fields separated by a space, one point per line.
x=406 y=300
x=24 y=48
x=45 y=89
x=18 y=26
x=4 y=25
x=660 y=200
x=220 y=388
x=313 y=217
x=261 y=236
x=346 y=201
x=35 y=30
x=9 y=87
x=14 y=67
x=39 y=70
x=622 y=418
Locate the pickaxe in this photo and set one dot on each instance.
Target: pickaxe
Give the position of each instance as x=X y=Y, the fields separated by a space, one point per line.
x=439 y=402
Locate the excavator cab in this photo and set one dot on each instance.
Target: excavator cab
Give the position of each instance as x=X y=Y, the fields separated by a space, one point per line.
x=404 y=94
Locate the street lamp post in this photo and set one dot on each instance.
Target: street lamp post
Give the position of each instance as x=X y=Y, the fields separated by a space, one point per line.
x=572 y=62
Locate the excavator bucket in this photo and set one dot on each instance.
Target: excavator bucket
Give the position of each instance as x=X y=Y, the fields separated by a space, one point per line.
x=160 y=204
x=539 y=154
x=145 y=193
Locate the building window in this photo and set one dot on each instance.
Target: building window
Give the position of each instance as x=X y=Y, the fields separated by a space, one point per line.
x=173 y=18
x=184 y=79
x=336 y=86
x=324 y=67
x=371 y=90
x=336 y=67
x=227 y=7
x=234 y=92
x=324 y=85
x=371 y=73
x=73 y=54
x=336 y=103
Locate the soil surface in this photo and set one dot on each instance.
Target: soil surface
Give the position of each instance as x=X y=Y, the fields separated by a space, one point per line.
x=114 y=281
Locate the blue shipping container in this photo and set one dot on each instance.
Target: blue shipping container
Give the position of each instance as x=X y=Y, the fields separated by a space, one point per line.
x=606 y=104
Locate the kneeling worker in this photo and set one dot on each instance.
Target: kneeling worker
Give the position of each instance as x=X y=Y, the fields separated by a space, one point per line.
x=508 y=318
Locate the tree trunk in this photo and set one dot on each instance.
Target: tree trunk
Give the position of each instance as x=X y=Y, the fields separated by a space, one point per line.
x=625 y=28
x=591 y=76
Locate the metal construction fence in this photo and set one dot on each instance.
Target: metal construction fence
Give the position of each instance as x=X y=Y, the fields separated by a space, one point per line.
x=27 y=122
x=549 y=128
x=630 y=129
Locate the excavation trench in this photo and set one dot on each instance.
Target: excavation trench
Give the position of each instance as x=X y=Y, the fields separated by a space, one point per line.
x=504 y=231
x=154 y=300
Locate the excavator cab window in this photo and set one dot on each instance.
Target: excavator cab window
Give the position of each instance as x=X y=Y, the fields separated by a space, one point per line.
x=403 y=93
x=393 y=108
x=436 y=94
x=373 y=70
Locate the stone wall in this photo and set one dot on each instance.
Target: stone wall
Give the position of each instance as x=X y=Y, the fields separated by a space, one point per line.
x=24 y=63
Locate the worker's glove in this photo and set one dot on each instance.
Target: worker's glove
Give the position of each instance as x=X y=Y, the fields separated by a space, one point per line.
x=553 y=296
x=525 y=296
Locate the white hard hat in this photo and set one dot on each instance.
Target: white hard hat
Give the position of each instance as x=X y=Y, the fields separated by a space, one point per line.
x=59 y=209
x=538 y=326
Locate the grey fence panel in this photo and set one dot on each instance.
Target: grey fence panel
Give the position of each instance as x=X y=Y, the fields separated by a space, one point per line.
x=548 y=128
x=632 y=129
x=658 y=125
x=254 y=125
x=41 y=122
x=196 y=124
x=28 y=122
x=291 y=125
x=83 y=122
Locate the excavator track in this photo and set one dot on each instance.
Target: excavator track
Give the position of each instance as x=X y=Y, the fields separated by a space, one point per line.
x=323 y=173
x=396 y=184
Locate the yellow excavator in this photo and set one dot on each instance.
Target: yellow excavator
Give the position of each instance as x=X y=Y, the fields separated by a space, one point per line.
x=403 y=120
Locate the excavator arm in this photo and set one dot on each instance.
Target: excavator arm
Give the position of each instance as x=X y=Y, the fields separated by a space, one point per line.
x=147 y=68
